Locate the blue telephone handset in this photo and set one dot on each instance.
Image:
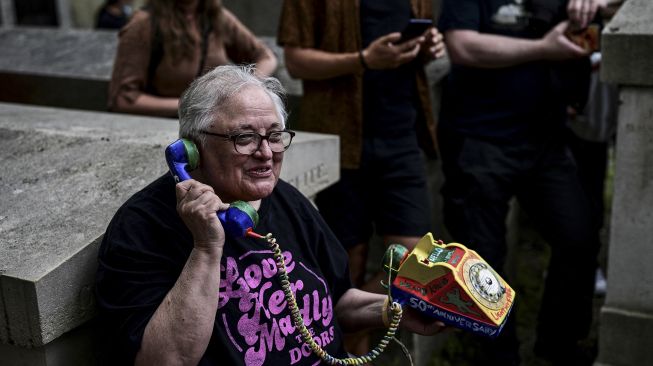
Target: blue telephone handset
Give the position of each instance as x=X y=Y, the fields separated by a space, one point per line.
x=240 y=218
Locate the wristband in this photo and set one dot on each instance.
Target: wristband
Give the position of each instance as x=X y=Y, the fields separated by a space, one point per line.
x=384 y=313
x=362 y=60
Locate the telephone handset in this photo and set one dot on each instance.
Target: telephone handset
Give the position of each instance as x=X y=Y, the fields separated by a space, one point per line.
x=240 y=218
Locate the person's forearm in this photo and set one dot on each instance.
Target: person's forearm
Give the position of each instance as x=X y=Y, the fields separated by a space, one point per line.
x=180 y=329
x=471 y=48
x=149 y=105
x=313 y=64
x=358 y=310
x=267 y=64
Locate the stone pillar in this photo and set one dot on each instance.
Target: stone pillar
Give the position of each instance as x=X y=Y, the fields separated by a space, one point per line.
x=84 y=12
x=64 y=13
x=7 y=13
x=626 y=320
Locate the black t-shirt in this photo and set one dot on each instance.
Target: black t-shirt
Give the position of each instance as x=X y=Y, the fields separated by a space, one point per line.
x=510 y=102
x=146 y=247
x=390 y=99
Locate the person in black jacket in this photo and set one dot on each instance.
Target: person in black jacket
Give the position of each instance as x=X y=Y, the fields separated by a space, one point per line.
x=502 y=135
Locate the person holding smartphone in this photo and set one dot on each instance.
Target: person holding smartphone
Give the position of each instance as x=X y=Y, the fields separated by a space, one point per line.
x=363 y=84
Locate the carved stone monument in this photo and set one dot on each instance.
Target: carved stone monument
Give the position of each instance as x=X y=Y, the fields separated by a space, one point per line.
x=626 y=323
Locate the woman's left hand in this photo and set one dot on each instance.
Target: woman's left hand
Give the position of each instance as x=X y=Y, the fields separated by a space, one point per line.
x=414 y=321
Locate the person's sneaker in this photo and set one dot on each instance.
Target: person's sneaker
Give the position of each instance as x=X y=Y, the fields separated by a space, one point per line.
x=600 y=284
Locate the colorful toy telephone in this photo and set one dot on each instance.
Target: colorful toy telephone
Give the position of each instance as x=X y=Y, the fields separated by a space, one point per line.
x=451 y=283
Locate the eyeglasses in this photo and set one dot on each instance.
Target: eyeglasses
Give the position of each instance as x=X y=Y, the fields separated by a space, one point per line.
x=249 y=143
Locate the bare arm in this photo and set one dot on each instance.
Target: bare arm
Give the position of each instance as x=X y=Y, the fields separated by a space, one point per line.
x=266 y=65
x=148 y=104
x=179 y=331
x=382 y=53
x=358 y=310
x=471 y=48
x=310 y=63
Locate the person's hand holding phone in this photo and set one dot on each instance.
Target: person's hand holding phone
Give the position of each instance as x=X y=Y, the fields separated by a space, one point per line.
x=433 y=46
x=386 y=53
x=581 y=12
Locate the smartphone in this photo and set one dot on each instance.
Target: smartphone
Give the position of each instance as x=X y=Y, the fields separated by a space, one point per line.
x=415 y=28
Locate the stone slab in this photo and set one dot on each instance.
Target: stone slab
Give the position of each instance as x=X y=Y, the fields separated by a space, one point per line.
x=7 y=17
x=83 y=346
x=56 y=67
x=629 y=340
x=627 y=45
x=64 y=175
x=66 y=53
x=64 y=13
x=71 y=68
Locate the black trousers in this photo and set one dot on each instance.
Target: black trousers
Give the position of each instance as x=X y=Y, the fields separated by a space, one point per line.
x=482 y=176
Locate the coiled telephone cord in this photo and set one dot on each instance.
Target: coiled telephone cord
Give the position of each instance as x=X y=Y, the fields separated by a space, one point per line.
x=299 y=321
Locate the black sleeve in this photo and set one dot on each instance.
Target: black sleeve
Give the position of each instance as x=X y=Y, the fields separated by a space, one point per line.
x=459 y=14
x=140 y=258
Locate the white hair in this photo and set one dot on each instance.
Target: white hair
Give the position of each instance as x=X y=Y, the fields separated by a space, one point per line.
x=206 y=95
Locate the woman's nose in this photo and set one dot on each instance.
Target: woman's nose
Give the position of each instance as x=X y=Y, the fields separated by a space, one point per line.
x=264 y=150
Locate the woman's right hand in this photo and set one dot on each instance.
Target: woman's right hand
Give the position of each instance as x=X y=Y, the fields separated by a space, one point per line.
x=197 y=205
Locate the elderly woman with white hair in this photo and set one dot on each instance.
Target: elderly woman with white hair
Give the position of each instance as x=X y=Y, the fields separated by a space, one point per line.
x=173 y=288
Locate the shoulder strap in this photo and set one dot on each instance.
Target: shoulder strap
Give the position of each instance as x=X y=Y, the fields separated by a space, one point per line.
x=207 y=27
x=156 y=51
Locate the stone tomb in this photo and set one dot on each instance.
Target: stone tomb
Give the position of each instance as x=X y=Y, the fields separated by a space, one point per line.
x=56 y=67
x=64 y=175
x=71 y=68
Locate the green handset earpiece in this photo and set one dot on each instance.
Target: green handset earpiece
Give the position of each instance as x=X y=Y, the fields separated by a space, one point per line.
x=182 y=156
